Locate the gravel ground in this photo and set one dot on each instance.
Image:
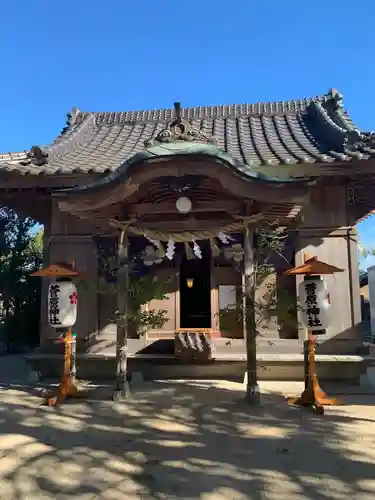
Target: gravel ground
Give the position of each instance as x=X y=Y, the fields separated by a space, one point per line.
x=182 y=440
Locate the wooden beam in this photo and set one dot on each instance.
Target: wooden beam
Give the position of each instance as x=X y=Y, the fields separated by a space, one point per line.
x=283 y=214
x=29 y=204
x=229 y=206
x=188 y=225
x=230 y=181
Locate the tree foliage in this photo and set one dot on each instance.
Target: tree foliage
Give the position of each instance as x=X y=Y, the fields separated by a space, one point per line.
x=141 y=290
x=261 y=295
x=365 y=252
x=21 y=253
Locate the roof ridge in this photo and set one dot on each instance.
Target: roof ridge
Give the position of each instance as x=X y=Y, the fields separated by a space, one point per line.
x=13 y=156
x=195 y=112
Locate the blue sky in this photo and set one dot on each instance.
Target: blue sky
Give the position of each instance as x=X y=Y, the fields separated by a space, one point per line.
x=123 y=55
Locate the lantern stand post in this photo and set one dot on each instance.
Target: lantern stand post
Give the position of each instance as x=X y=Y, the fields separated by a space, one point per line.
x=67 y=387
x=313 y=395
x=73 y=362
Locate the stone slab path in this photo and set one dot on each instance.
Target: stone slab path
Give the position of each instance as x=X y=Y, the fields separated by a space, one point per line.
x=182 y=440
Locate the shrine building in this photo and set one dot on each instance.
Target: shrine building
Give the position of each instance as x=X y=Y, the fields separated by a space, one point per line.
x=184 y=182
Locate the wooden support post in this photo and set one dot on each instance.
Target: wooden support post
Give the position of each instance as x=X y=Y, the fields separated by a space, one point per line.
x=313 y=395
x=306 y=362
x=122 y=386
x=248 y=318
x=67 y=387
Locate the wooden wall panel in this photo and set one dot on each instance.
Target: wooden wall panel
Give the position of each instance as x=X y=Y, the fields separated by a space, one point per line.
x=169 y=304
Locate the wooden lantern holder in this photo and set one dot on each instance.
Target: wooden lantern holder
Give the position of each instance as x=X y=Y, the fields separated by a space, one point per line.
x=67 y=387
x=312 y=396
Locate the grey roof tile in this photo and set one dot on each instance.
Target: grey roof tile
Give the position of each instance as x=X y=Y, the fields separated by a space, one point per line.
x=287 y=132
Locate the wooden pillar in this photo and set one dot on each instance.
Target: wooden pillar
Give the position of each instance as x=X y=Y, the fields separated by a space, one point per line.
x=249 y=322
x=122 y=386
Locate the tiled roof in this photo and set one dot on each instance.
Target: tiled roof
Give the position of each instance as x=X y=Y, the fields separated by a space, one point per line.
x=315 y=130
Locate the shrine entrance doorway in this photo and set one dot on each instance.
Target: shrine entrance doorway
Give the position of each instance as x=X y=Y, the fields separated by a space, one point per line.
x=195 y=293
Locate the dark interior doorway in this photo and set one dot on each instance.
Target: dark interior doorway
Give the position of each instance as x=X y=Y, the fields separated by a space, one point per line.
x=195 y=302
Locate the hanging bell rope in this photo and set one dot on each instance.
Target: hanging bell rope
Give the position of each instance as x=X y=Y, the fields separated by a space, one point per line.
x=183 y=236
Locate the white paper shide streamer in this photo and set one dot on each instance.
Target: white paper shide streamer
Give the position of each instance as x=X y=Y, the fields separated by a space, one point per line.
x=225 y=238
x=170 y=249
x=152 y=256
x=197 y=250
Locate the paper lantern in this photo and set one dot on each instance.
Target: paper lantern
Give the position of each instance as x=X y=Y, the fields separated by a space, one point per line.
x=62 y=304
x=315 y=303
x=184 y=205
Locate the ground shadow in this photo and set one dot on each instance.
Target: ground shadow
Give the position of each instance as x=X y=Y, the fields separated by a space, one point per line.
x=181 y=441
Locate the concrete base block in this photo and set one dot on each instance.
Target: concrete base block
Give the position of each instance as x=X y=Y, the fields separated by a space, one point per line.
x=33 y=377
x=137 y=380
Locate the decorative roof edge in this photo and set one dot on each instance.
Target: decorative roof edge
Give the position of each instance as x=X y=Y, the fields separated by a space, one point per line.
x=332 y=113
x=71 y=119
x=182 y=149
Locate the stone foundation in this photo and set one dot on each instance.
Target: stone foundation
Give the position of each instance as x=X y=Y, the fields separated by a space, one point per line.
x=287 y=367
